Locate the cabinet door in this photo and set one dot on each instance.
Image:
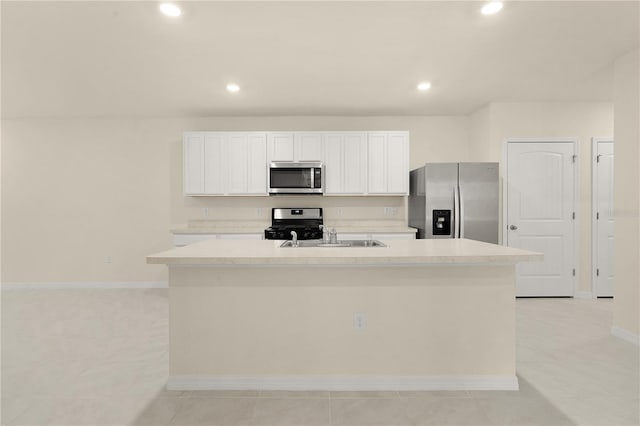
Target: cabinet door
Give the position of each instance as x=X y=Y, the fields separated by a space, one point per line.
x=307 y=147
x=354 y=155
x=193 y=156
x=377 y=163
x=214 y=163
x=280 y=146
x=246 y=164
x=398 y=163
x=257 y=164
x=237 y=171
x=333 y=165
x=345 y=161
x=388 y=163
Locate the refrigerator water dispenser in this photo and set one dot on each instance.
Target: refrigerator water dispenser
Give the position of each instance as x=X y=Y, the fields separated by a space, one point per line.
x=441 y=222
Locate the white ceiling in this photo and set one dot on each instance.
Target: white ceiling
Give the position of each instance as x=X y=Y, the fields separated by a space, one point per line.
x=106 y=59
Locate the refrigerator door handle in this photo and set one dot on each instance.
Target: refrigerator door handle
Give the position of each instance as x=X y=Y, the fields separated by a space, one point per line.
x=461 y=203
x=456 y=213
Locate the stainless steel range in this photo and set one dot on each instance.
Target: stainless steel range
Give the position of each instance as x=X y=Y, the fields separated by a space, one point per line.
x=306 y=222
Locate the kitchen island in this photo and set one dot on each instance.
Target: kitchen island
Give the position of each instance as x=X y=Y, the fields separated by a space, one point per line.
x=415 y=315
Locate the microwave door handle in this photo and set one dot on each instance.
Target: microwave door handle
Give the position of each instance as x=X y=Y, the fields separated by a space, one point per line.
x=269 y=172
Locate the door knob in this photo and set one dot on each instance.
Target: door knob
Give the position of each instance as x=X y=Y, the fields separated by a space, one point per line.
x=513 y=227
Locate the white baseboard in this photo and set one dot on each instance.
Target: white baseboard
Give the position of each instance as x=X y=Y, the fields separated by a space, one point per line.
x=84 y=285
x=625 y=335
x=343 y=383
x=584 y=295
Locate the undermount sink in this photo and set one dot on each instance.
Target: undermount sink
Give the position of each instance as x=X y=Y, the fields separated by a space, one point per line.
x=340 y=243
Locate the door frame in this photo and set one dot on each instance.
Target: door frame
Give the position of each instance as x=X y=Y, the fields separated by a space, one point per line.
x=576 y=197
x=594 y=210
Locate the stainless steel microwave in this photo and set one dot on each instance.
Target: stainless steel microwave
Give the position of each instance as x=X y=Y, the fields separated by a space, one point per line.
x=296 y=178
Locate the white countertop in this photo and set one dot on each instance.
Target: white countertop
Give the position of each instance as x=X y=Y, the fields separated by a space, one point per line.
x=397 y=252
x=258 y=227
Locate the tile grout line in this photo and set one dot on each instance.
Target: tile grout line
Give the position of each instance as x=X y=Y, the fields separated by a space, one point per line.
x=255 y=406
x=16 y=417
x=175 y=414
x=330 y=409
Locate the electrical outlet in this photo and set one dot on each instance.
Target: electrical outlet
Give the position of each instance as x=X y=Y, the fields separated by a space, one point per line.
x=259 y=212
x=339 y=212
x=205 y=211
x=359 y=321
x=108 y=259
x=390 y=211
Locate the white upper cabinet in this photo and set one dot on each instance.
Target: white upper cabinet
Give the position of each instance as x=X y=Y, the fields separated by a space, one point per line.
x=398 y=163
x=280 y=147
x=333 y=165
x=257 y=164
x=356 y=163
x=246 y=164
x=237 y=171
x=295 y=146
x=307 y=147
x=214 y=163
x=377 y=163
x=225 y=163
x=388 y=167
x=345 y=156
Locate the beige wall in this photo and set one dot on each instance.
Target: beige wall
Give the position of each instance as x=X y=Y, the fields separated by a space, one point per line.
x=480 y=135
x=79 y=191
x=75 y=192
x=493 y=124
x=627 y=194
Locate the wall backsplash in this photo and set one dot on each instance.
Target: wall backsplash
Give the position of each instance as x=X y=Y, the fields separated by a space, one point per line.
x=259 y=208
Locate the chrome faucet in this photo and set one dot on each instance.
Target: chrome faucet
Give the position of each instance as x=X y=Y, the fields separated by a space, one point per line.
x=294 y=241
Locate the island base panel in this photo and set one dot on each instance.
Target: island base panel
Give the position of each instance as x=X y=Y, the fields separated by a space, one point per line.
x=431 y=327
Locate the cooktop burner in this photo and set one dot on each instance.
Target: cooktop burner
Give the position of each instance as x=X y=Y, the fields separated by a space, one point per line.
x=291 y=226
x=306 y=222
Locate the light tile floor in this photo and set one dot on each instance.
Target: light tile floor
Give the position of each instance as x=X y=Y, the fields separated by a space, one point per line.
x=100 y=357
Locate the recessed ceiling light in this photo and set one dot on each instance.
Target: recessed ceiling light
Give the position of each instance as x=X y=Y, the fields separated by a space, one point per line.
x=170 y=9
x=491 y=8
x=232 y=87
x=424 y=86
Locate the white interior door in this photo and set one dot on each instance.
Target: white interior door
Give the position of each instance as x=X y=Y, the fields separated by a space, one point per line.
x=540 y=215
x=604 y=218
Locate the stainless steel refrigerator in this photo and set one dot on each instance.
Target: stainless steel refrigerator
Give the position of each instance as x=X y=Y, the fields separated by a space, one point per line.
x=455 y=200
